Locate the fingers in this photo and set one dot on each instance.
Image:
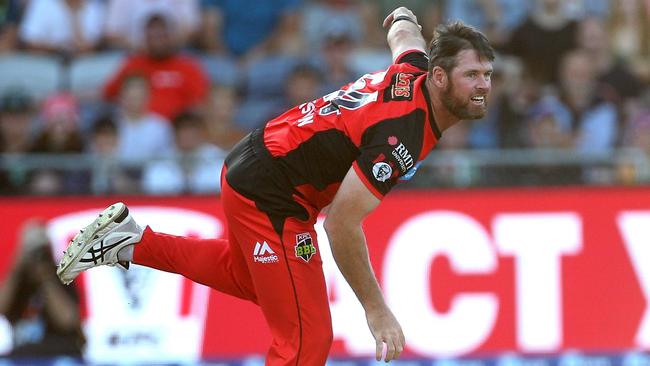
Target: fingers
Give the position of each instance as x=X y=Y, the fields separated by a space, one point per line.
x=393 y=350
x=399 y=11
x=394 y=347
x=390 y=351
x=389 y=20
x=379 y=349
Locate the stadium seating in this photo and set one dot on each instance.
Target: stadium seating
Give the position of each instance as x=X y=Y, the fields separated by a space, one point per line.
x=37 y=75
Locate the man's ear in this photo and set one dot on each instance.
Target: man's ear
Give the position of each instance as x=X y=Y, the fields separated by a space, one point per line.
x=439 y=77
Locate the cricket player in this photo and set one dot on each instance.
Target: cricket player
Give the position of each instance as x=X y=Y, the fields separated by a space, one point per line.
x=345 y=150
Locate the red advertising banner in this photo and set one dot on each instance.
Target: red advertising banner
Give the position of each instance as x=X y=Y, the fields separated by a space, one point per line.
x=473 y=272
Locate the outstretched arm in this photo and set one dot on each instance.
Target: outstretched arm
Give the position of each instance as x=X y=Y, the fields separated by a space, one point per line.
x=404 y=32
x=350 y=206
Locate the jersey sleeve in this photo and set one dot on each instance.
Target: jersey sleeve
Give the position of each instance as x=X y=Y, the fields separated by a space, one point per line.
x=415 y=58
x=389 y=150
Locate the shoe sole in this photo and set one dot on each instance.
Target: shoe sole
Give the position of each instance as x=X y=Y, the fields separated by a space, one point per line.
x=84 y=240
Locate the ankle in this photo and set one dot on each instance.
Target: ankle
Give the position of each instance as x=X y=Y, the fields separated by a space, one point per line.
x=126 y=254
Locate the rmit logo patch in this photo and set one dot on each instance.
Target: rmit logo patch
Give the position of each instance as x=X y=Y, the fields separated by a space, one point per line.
x=305 y=248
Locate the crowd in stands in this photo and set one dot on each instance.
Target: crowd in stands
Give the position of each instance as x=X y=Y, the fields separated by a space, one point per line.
x=154 y=93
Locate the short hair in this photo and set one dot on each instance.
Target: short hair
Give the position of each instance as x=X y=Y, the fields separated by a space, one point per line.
x=104 y=125
x=157 y=19
x=188 y=118
x=451 y=38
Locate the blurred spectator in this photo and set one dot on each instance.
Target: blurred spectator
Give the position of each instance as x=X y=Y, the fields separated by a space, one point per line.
x=142 y=135
x=324 y=18
x=496 y=18
x=629 y=30
x=542 y=39
x=11 y=12
x=616 y=81
x=220 y=117
x=60 y=133
x=548 y=126
x=261 y=27
x=44 y=313
x=637 y=136
x=193 y=168
x=49 y=182
x=264 y=83
x=594 y=120
x=548 y=129
x=67 y=27
x=335 y=54
x=579 y=9
x=108 y=176
x=303 y=85
x=177 y=82
x=16 y=116
x=456 y=138
x=373 y=12
x=125 y=20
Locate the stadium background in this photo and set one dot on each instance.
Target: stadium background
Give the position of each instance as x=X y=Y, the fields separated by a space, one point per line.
x=522 y=239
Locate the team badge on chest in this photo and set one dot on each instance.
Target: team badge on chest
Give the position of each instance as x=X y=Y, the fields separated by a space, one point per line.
x=305 y=248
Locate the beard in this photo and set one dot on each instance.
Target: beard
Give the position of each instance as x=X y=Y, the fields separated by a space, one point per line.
x=461 y=107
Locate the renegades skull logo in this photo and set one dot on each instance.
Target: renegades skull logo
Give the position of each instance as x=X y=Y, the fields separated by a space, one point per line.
x=305 y=248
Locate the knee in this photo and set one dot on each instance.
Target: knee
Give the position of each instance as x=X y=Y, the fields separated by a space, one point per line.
x=320 y=337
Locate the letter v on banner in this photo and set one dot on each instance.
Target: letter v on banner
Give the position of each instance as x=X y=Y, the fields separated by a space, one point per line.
x=636 y=236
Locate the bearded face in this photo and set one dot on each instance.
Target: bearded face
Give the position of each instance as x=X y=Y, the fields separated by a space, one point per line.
x=468 y=86
x=464 y=107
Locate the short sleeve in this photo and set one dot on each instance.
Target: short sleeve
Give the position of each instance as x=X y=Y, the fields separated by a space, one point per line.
x=414 y=57
x=389 y=150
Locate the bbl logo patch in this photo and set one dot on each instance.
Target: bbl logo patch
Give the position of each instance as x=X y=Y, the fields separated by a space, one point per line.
x=305 y=248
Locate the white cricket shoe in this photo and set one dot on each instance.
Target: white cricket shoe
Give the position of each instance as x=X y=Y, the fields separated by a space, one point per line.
x=98 y=243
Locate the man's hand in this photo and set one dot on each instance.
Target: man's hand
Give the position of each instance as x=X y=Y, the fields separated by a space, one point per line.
x=399 y=12
x=385 y=328
x=351 y=204
x=405 y=34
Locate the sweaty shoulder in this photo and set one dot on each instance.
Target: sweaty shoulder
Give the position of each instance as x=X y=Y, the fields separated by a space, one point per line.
x=413 y=58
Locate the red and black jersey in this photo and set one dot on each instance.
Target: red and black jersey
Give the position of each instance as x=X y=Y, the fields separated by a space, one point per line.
x=382 y=125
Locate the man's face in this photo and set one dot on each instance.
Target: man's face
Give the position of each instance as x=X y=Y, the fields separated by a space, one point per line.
x=159 y=41
x=466 y=95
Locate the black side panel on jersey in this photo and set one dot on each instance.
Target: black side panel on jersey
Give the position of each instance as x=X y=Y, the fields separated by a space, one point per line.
x=321 y=160
x=415 y=58
x=391 y=148
x=251 y=172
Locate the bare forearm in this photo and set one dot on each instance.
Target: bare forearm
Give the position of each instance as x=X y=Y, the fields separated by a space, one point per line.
x=351 y=255
x=404 y=34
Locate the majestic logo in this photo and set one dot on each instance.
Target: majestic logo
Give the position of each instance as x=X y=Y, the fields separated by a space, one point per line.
x=264 y=254
x=382 y=171
x=305 y=248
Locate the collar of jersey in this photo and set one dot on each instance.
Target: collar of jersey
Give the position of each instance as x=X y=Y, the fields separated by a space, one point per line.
x=432 y=121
